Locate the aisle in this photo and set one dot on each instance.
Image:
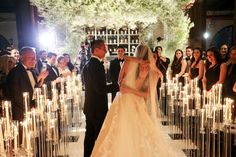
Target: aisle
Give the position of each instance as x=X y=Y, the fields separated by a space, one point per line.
x=75 y=149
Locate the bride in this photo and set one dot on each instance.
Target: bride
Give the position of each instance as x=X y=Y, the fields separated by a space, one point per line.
x=130 y=128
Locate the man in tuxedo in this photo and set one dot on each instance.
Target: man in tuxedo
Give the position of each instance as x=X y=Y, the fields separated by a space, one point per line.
x=96 y=103
x=53 y=72
x=42 y=59
x=23 y=78
x=114 y=69
x=188 y=53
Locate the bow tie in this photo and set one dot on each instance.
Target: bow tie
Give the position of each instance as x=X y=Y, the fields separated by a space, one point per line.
x=187 y=58
x=121 y=60
x=44 y=61
x=29 y=69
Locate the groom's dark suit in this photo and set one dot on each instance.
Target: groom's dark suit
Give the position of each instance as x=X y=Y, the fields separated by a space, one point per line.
x=96 y=102
x=114 y=71
x=18 y=82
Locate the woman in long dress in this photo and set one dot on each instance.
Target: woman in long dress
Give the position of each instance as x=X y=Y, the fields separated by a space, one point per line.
x=130 y=128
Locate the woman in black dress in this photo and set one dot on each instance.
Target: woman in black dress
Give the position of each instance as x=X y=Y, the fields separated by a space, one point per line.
x=178 y=66
x=214 y=71
x=196 y=69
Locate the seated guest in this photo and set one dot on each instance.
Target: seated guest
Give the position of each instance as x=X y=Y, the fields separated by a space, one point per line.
x=23 y=78
x=214 y=72
x=196 y=67
x=62 y=67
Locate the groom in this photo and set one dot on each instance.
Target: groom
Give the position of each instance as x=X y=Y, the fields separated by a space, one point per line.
x=96 y=103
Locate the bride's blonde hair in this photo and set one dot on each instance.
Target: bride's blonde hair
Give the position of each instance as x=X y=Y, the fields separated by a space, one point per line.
x=142 y=52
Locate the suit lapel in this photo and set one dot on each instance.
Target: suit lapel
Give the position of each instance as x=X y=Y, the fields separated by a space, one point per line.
x=24 y=73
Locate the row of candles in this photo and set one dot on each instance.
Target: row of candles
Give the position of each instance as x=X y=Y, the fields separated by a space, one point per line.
x=44 y=129
x=124 y=41
x=103 y=32
x=197 y=116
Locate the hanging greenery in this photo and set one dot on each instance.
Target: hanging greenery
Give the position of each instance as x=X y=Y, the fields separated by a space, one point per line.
x=75 y=15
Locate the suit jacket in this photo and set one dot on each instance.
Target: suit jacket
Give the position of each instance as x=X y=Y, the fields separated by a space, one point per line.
x=39 y=65
x=18 y=82
x=96 y=103
x=52 y=75
x=114 y=71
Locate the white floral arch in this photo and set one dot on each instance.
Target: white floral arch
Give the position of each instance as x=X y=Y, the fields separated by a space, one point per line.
x=72 y=16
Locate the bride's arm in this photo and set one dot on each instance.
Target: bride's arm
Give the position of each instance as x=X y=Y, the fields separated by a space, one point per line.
x=125 y=89
x=143 y=72
x=124 y=68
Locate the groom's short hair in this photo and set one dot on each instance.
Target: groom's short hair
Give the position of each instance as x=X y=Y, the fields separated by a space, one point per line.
x=96 y=44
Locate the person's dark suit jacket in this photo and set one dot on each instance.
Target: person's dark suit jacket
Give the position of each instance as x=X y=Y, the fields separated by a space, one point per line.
x=96 y=102
x=52 y=75
x=39 y=65
x=19 y=82
x=114 y=71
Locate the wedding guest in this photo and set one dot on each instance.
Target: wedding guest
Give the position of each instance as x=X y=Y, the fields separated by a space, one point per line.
x=42 y=60
x=162 y=63
x=70 y=65
x=114 y=70
x=23 y=78
x=15 y=53
x=188 y=56
x=178 y=66
x=196 y=67
x=7 y=63
x=53 y=73
x=214 y=72
x=82 y=56
x=62 y=67
x=224 y=53
x=230 y=75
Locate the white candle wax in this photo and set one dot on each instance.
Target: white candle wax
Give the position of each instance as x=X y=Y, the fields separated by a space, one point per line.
x=28 y=145
x=204 y=98
x=219 y=94
x=45 y=91
x=8 y=129
x=15 y=137
x=202 y=119
x=34 y=121
x=25 y=96
x=214 y=118
x=2 y=150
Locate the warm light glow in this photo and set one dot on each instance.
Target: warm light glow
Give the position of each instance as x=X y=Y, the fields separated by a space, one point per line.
x=206 y=35
x=47 y=39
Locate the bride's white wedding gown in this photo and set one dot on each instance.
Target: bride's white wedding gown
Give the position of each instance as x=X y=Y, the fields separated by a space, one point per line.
x=128 y=129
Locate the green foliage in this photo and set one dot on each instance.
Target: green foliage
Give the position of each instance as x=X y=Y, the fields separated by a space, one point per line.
x=75 y=15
